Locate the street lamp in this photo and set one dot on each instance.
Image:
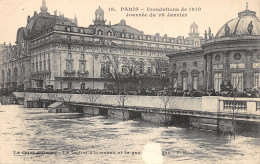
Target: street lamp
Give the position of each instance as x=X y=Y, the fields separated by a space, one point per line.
x=93 y=68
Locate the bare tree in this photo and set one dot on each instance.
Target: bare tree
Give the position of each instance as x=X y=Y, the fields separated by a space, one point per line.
x=38 y=98
x=121 y=101
x=92 y=99
x=26 y=95
x=166 y=100
x=52 y=96
x=173 y=73
x=129 y=72
x=67 y=99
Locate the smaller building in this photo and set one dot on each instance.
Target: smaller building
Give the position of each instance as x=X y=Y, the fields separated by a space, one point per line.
x=31 y=103
x=232 y=57
x=58 y=107
x=186 y=69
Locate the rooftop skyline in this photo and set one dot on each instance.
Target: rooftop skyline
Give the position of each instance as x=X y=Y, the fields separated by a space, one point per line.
x=213 y=14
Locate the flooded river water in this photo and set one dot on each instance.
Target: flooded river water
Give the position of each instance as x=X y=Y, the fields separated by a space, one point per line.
x=36 y=136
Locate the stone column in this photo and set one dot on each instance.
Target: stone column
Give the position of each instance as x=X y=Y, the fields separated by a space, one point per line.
x=205 y=73
x=209 y=76
x=225 y=66
x=249 y=71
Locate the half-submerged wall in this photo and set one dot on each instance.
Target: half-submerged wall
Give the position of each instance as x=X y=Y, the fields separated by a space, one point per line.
x=206 y=104
x=185 y=103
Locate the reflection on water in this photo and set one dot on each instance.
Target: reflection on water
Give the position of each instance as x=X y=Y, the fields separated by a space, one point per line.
x=35 y=136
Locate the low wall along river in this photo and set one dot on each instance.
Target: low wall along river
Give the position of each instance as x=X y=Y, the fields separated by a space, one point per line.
x=207 y=103
x=210 y=112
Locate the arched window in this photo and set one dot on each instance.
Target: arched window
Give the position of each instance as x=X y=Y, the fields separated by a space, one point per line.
x=217 y=81
x=109 y=33
x=81 y=30
x=82 y=56
x=69 y=65
x=82 y=66
x=149 y=68
x=195 y=64
x=184 y=82
x=107 y=68
x=123 y=69
x=141 y=67
x=256 y=79
x=122 y=35
x=36 y=66
x=70 y=85
x=157 y=65
x=100 y=32
x=67 y=29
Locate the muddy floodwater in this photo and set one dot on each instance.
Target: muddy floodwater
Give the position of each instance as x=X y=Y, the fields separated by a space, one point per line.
x=36 y=136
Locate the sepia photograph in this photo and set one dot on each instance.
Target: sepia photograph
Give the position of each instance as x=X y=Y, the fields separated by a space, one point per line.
x=129 y=82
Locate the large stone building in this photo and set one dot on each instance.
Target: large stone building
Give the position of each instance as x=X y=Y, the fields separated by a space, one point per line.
x=232 y=55
x=53 y=51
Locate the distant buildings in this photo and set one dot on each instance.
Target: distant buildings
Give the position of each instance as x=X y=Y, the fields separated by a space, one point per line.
x=53 y=51
x=232 y=55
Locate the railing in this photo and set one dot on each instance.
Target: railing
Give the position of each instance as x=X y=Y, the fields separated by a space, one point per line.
x=83 y=73
x=236 y=105
x=69 y=72
x=257 y=106
x=239 y=105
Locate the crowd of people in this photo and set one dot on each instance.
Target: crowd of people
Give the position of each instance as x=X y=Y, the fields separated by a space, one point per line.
x=226 y=91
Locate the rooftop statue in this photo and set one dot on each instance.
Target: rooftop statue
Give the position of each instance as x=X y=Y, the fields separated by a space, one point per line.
x=209 y=33
x=227 y=30
x=205 y=35
x=250 y=28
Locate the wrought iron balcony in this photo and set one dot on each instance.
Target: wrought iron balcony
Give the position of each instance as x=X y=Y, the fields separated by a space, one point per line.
x=69 y=72
x=84 y=73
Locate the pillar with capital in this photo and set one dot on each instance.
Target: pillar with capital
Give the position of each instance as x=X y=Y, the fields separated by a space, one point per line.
x=205 y=73
x=209 y=71
x=249 y=70
x=225 y=66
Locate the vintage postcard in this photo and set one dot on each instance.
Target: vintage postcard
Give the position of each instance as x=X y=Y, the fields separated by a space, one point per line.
x=135 y=82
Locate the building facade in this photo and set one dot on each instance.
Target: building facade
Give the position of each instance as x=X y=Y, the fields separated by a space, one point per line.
x=233 y=55
x=53 y=51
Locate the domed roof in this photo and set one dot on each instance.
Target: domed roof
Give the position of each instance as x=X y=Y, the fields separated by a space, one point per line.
x=194 y=25
x=247 y=23
x=122 y=22
x=99 y=10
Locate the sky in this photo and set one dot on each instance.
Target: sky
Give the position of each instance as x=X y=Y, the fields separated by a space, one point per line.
x=213 y=14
